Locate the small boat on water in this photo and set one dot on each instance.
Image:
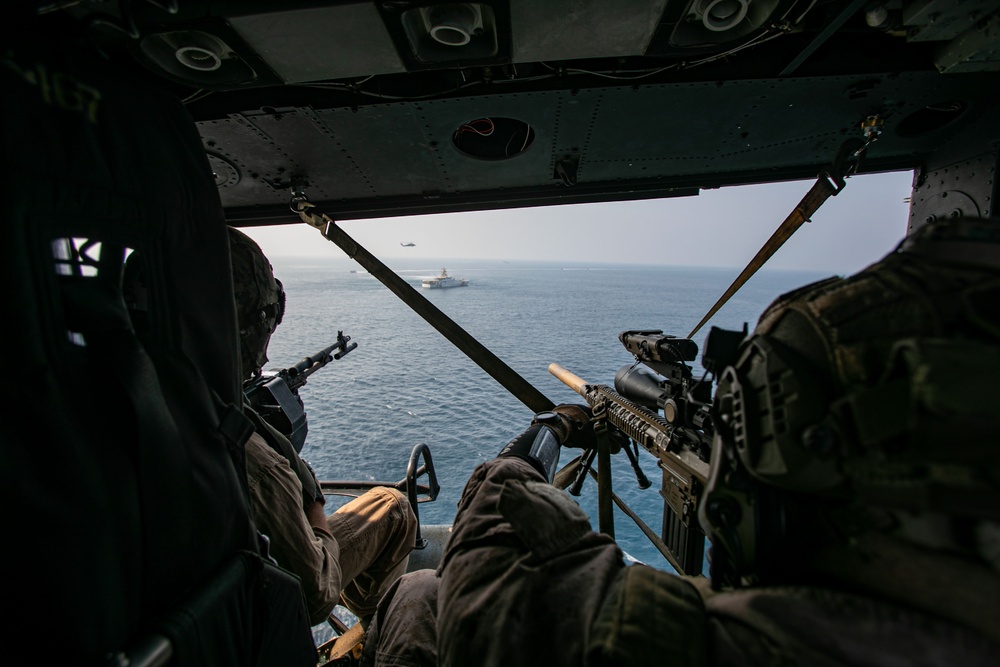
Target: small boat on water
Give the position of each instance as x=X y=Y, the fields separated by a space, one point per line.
x=444 y=280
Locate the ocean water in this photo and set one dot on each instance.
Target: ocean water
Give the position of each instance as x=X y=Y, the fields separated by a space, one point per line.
x=405 y=384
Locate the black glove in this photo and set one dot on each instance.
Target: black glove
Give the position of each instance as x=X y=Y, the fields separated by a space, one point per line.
x=538 y=445
x=572 y=423
x=312 y=492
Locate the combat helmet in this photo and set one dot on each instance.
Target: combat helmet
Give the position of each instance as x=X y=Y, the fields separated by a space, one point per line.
x=260 y=301
x=859 y=401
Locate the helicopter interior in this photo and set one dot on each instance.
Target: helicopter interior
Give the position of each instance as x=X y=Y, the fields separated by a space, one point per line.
x=394 y=108
x=147 y=125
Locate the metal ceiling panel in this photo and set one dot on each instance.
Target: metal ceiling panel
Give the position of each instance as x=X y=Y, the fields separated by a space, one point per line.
x=322 y=43
x=652 y=137
x=568 y=29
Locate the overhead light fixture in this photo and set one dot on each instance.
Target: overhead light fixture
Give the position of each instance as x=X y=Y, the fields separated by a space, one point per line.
x=196 y=57
x=441 y=33
x=211 y=59
x=720 y=15
x=453 y=25
x=199 y=58
x=718 y=22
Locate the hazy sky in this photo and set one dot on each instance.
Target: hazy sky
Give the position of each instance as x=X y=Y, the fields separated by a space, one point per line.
x=722 y=228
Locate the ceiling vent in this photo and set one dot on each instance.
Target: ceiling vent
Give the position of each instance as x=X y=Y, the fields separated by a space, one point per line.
x=213 y=58
x=714 y=22
x=445 y=33
x=442 y=34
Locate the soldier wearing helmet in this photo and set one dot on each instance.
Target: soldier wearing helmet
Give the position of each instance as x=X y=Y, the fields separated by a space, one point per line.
x=853 y=501
x=260 y=300
x=351 y=556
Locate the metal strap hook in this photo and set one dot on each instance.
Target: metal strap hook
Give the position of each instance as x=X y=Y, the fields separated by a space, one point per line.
x=829 y=183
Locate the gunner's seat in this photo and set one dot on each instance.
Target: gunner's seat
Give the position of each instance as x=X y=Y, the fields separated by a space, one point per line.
x=127 y=532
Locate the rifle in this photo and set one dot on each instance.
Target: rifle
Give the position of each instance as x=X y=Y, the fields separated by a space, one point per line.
x=274 y=395
x=669 y=415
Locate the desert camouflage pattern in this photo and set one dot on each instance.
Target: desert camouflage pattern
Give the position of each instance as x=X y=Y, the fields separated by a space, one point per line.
x=260 y=300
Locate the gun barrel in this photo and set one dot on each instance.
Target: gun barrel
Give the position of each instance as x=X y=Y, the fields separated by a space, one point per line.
x=574 y=382
x=311 y=363
x=345 y=350
x=296 y=375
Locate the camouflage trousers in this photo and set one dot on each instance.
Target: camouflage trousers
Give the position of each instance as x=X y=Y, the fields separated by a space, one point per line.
x=523 y=581
x=375 y=533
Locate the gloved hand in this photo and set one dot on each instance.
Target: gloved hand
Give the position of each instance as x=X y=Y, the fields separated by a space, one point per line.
x=573 y=424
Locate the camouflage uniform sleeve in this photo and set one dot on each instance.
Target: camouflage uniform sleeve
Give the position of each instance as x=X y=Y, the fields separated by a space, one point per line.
x=650 y=617
x=310 y=553
x=523 y=575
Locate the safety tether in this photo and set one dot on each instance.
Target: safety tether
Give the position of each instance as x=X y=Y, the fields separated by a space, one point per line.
x=829 y=183
x=476 y=351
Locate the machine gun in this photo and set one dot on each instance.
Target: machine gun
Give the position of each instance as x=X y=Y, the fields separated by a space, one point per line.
x=667 y=413
x=275 y=394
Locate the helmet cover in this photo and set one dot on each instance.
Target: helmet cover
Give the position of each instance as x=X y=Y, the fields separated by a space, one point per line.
x=835 y=400
x=260 y=300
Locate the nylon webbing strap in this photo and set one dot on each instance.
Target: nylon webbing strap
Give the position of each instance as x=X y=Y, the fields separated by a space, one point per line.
x=459 y=337
x=829 y=183
x=234 y=426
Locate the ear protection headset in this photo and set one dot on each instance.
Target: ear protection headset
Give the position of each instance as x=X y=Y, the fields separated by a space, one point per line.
x=764 y=404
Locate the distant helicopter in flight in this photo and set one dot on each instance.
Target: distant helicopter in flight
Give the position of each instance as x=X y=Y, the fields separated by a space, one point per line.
x=409 y=244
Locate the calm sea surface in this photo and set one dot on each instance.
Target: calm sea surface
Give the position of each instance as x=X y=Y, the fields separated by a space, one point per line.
x=405 y=384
